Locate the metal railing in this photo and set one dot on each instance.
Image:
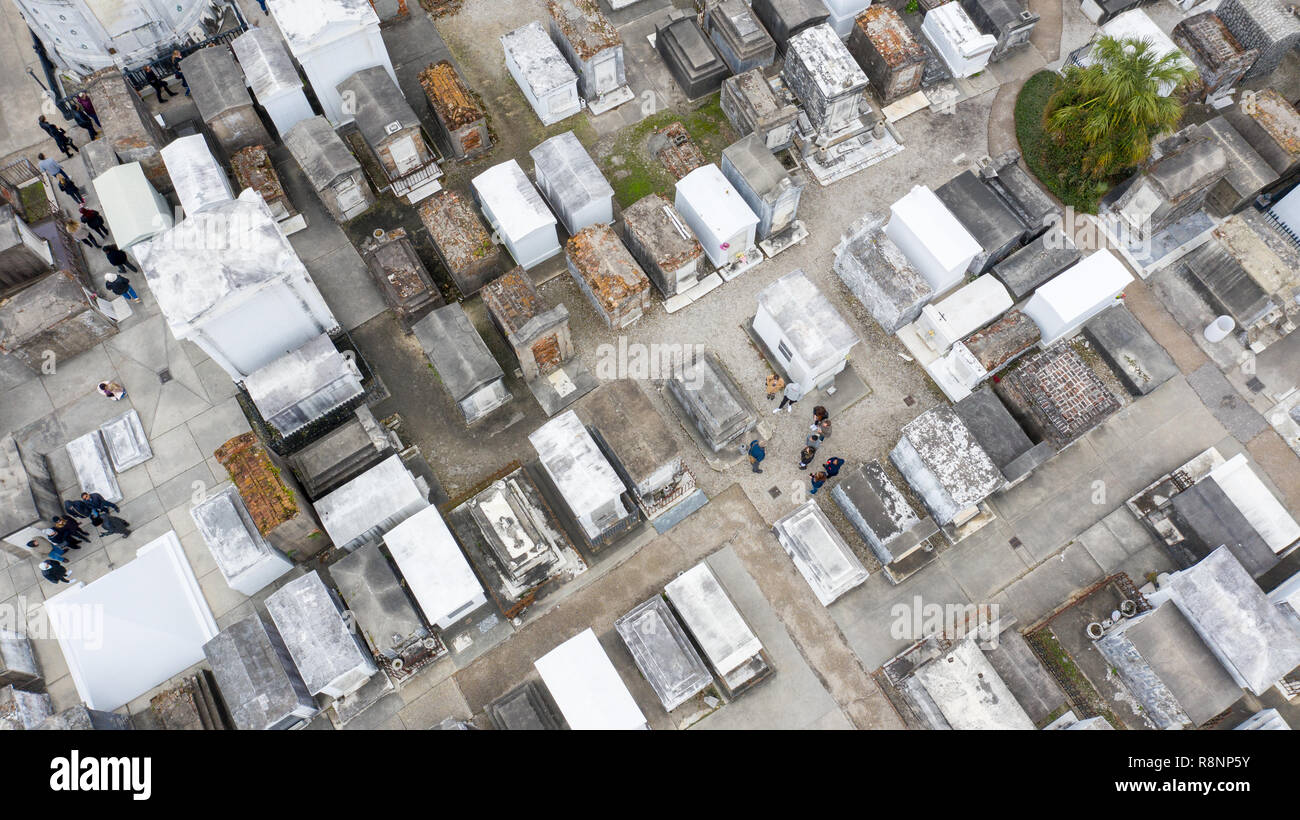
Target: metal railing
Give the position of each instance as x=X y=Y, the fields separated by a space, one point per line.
x=162 y=65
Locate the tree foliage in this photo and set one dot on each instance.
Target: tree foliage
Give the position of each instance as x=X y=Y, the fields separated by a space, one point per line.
x=1113 y=108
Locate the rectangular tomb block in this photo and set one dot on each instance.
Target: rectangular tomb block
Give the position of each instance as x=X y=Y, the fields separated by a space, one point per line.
x=740 y=38
x=463 y=362
x=1130 y=350
x=888 y=52
x=326 y=652
x=884 y=518
x=539 y=335
x=462 y=123
x=819 y=552
x=461 y=239
x=659 y=239
x=125 y=441
x=256 y=676
x=609 y=275
x=712 y=400
x=542 y=73
x=247 y=562
x=401 y=276
x=880 y=276
x=729 y=644
x=691 y=57
x=663 y=653
x=753 y=108
x=1057 y=396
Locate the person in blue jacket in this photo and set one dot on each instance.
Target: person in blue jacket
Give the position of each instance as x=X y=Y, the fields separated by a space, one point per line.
x=756 y=454
x=818 y=479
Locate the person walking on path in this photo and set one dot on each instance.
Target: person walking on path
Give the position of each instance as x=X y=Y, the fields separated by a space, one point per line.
x=112 y=390
x=806 y=456
x=119 y=285
x=94 y=220
x=176 y=67
x=775 y=384
x=51 y=167
x=83 y=102
x=80 y=233
x=67 y=186
x=151 y=77
x=118 y=258
x=793 y=392
x=832 y=466
x=814 y=441
x=818 y=479
x=60 y=137
x=756 y=454
x=98 y=504
x=112 y=525
x=83 y=121
x=55 y=572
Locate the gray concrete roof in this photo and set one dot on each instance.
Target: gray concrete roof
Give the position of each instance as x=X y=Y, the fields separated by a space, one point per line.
x=379 y=104
x=216 y=82
x=320 y=152
x=1234 y=616
x=663 y=653
x=457 y=351
x=807 y=317
x=1182 y=662
x=258 y=681
x=633 y=428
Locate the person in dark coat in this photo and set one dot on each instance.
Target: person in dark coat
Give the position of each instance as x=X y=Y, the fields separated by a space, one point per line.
x=83 y=121
x=77 y=507
x=117 y=256
x=83 y=102
x=806 y=456
x=176 y=67
x=61 y=539
x=818 y=479
x=70 y=188
x=756 y=454
x=160 y=87
x=69 y=522
x=94 y=220
x=99 y=504
x=55 y=573
x=832 y=466
x=112 y=525
x=119 y=285
x=60 y=137
x=73 y=535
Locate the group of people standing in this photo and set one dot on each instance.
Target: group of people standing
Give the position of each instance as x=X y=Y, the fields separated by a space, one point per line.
x=819 y=432
x=91 y=227
x=66 y=533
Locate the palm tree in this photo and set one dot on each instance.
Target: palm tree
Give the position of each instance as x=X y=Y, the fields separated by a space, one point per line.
x=1117 y=104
